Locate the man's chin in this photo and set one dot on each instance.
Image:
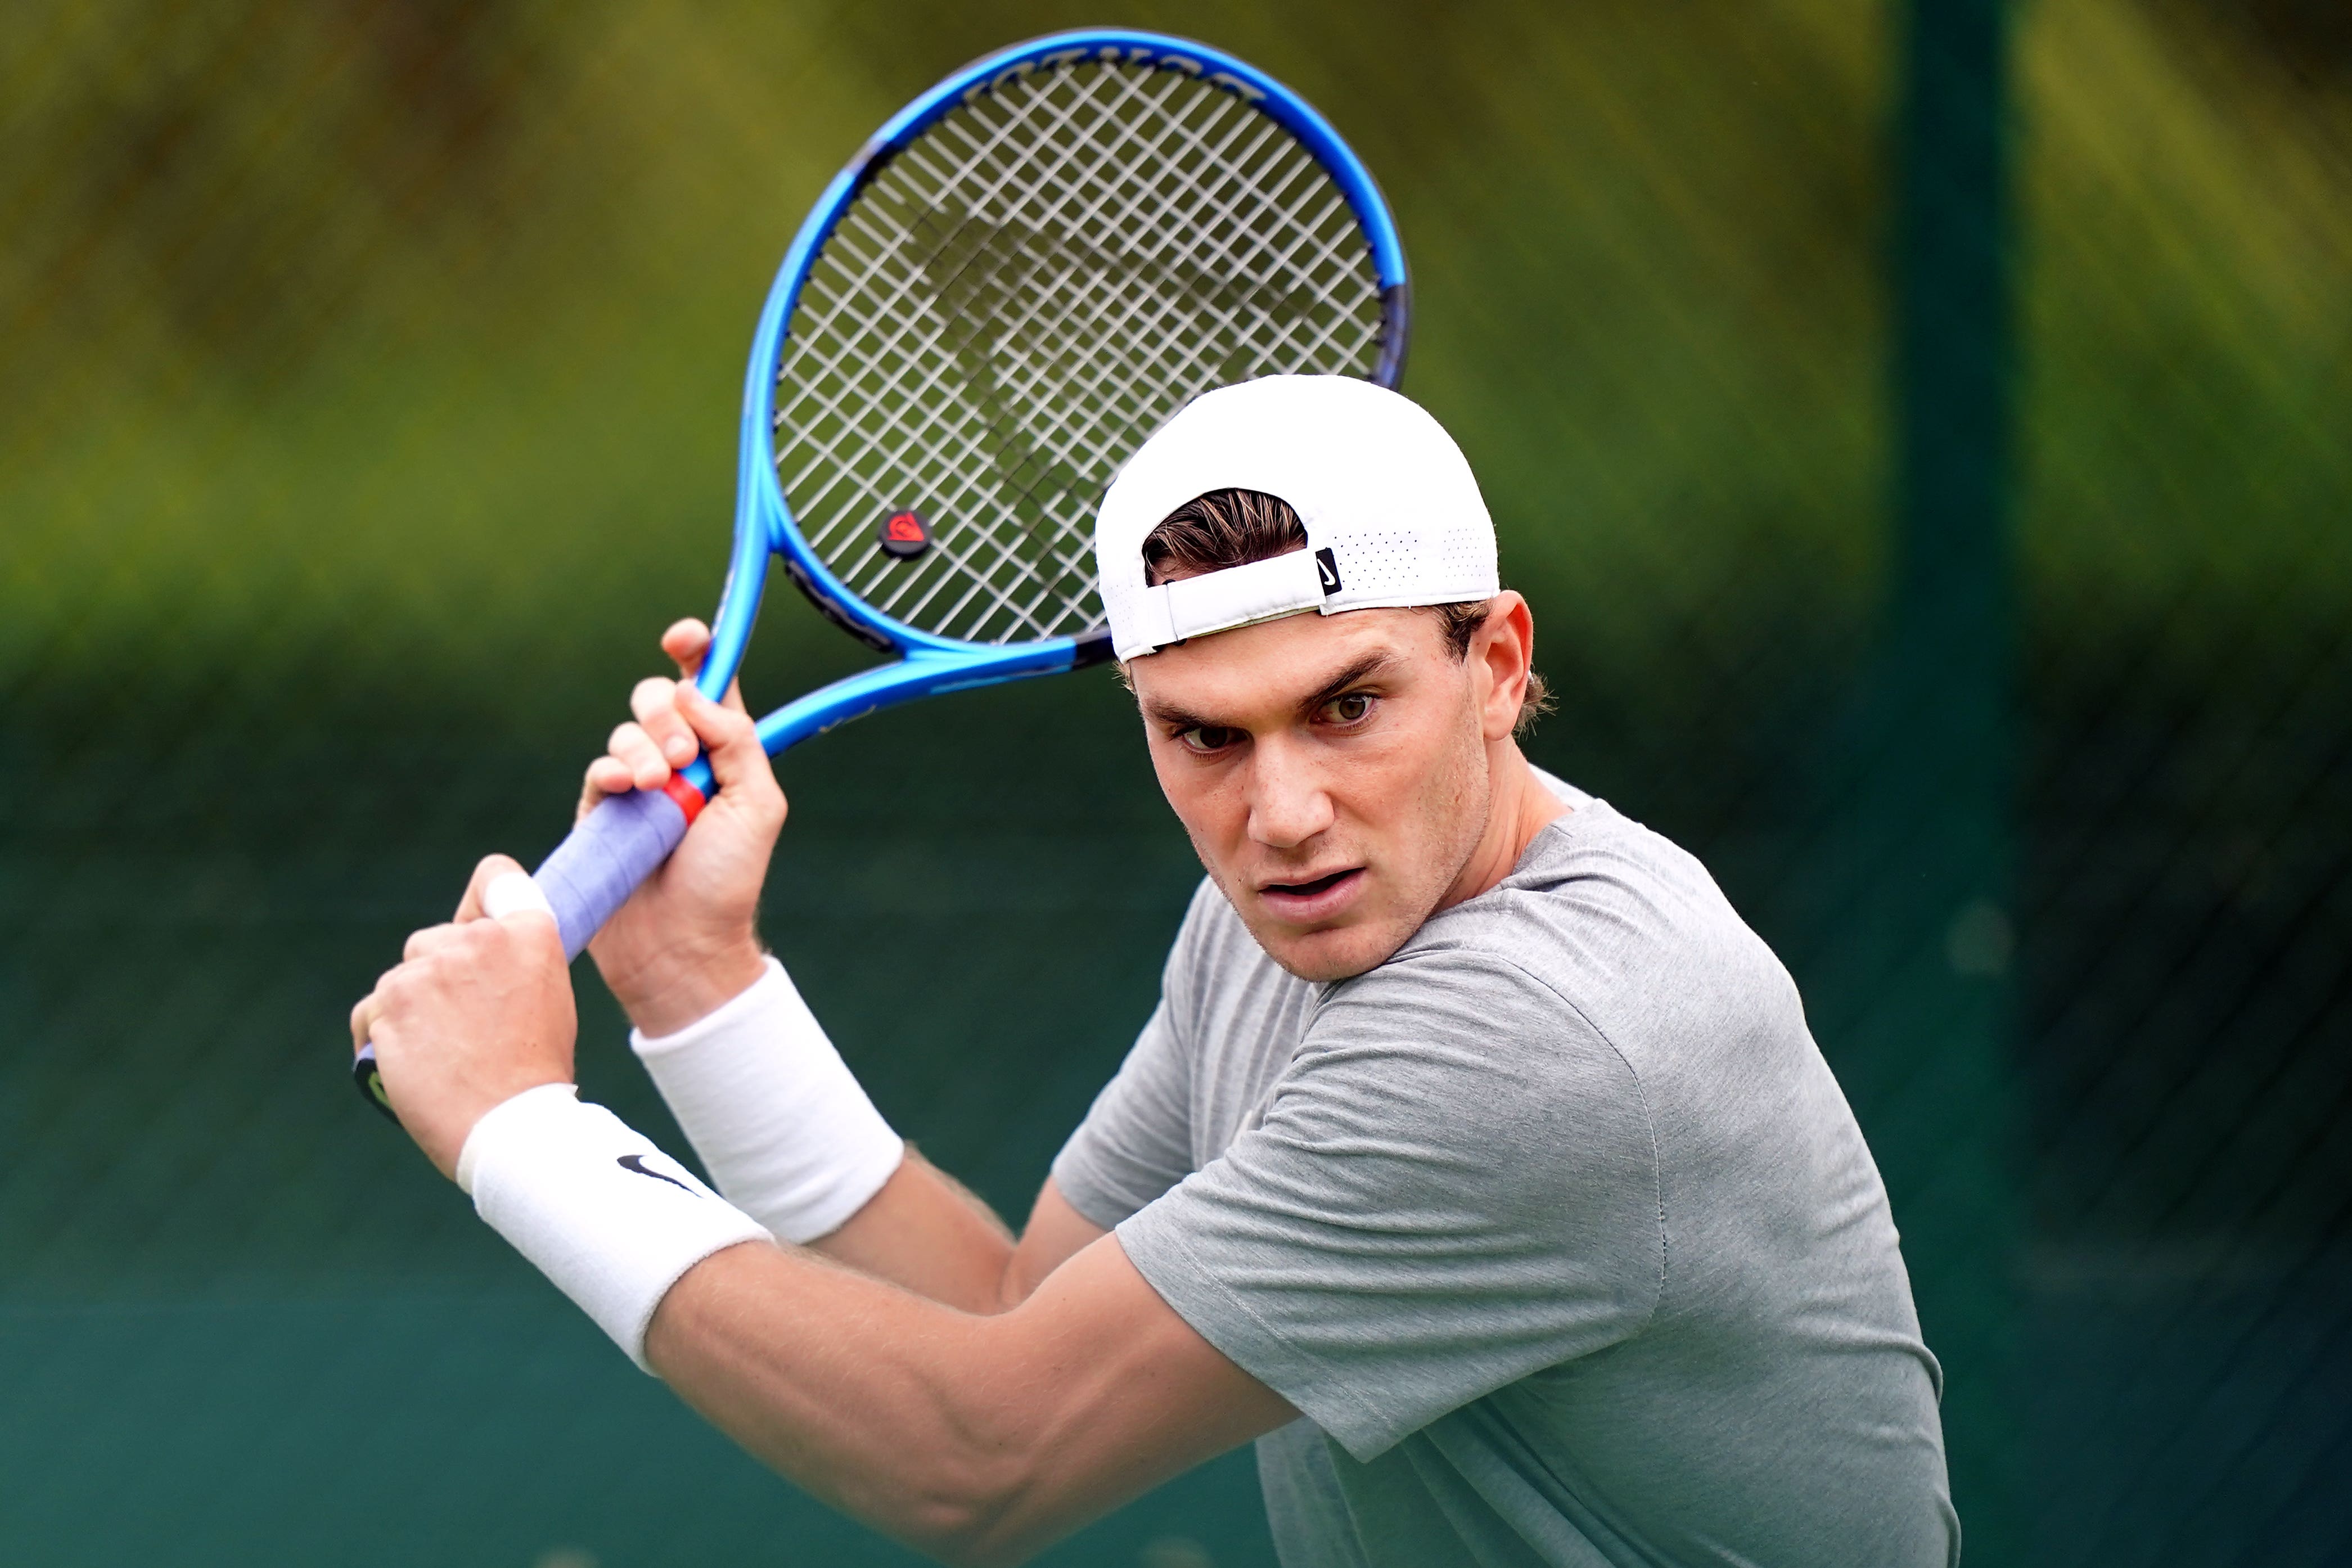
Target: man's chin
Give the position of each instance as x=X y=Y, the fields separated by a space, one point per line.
x=1337 y=952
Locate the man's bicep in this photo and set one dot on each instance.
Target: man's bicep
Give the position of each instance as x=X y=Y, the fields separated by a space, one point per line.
x=1137 y=1397
x=1055 y=1234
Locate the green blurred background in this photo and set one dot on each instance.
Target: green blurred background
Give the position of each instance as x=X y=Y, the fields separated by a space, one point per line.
x=1926 y=435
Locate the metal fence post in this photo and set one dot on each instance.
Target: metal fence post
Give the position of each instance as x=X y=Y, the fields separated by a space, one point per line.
x=1921 y=955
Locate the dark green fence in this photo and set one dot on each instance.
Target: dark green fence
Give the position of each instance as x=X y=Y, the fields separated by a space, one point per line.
x=1926 y=436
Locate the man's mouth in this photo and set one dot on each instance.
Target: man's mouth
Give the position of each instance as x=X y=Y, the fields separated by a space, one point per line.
x=1314 y=898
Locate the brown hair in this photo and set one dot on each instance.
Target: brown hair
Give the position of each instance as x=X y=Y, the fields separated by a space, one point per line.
x=1235 y=527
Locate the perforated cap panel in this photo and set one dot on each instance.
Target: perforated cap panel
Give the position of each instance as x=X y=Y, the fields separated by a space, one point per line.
x=1378 y=484
x=1019 y=297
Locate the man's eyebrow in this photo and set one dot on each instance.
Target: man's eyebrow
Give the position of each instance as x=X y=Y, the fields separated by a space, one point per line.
x=1356 y=674
x=1175 y=718
x=1363 y=670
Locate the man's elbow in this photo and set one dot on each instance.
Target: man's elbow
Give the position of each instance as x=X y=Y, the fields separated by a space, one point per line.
x=977 y=1501
x=979 y=1511
x=970 y=1544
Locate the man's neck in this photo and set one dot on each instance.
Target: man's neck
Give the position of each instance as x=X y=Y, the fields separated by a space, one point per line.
x=1518 y=808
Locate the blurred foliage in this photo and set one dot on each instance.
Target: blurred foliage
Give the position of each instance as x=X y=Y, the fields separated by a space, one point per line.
x=2187 y=200
x=435 y=320
x=432 y=311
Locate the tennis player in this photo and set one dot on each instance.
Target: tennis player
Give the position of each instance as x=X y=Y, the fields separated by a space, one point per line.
x=1477 y=1160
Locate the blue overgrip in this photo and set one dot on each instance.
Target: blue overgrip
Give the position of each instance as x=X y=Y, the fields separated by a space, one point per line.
x=601 y=862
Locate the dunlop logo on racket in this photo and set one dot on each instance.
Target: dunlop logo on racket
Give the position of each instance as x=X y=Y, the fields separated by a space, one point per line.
x=903 y=535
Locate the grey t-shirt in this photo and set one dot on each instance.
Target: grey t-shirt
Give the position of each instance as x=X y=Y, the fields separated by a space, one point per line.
x=1555 y=1227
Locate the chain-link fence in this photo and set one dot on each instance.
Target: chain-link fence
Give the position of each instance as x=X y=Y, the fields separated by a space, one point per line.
x=1926 y=435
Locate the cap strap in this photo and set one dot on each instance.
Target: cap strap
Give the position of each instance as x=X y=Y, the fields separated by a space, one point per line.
x=1219 y=601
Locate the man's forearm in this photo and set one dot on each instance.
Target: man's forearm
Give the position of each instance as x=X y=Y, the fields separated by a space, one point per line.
x=976 y=1438
x=873 y=1399
x=925 y=1232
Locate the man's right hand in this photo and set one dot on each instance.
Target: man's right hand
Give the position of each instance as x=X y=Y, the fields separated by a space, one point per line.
x=686 y=941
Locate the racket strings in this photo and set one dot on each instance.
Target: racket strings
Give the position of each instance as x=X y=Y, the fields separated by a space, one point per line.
x=1073 y=558
x=1012 y=281
x=1070 y=558
x=1018 y=299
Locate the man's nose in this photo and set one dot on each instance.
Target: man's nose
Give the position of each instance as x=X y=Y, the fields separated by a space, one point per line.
x=1288 y=805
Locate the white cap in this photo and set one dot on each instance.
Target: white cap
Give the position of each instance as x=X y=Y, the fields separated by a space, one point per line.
x=1392 y=514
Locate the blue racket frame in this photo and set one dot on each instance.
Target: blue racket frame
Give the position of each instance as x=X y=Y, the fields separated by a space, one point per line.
x=764 y=525
x=593 y=872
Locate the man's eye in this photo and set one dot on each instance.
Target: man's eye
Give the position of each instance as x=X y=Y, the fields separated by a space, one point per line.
x=1207 y=737
x=1348 y=710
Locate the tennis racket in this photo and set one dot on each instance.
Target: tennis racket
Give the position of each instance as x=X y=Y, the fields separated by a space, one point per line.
x=1022 y=275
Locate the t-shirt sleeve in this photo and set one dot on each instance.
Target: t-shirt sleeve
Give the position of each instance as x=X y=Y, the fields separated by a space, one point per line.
x=1454 y=1185
x=1136 y=1141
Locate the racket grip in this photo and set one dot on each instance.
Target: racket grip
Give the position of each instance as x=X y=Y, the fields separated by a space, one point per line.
x=589 y=876
x=621 y=843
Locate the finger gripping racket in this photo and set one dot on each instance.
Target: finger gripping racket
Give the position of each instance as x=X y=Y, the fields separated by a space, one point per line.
x=1022 y=275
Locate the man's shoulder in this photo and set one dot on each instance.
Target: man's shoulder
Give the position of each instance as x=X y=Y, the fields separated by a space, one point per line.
x=1592 y=876
x=1617 y=923
x=1605 y=927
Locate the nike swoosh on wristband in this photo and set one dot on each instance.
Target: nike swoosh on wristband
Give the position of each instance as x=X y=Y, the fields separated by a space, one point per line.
x=636 y=1165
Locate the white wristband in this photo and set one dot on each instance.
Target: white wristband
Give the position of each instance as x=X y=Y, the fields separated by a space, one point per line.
x=611 y=1219
x=776 y=1115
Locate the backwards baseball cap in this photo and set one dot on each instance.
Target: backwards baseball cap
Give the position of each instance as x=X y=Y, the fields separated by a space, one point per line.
x=1392 y=512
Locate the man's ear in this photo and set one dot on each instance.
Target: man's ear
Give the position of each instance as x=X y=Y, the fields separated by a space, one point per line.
x=1505 y=647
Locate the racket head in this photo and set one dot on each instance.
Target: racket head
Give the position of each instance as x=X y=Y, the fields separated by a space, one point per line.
x=1019 y=278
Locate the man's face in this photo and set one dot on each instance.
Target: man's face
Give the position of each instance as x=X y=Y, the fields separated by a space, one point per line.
x=1332 y=772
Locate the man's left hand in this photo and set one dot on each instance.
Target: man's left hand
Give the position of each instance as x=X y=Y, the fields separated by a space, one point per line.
x=478 y=1011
